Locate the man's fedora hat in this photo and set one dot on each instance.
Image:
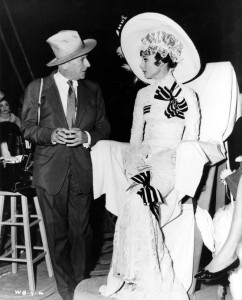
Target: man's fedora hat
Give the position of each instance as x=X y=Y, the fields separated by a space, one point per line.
x=138 y=33
x=67 y=45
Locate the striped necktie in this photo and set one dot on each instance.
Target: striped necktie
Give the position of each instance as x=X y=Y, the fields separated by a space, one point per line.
x=71 y=104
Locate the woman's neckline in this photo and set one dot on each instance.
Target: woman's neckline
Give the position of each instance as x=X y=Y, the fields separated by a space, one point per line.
x=5 y=118
x=168 y=79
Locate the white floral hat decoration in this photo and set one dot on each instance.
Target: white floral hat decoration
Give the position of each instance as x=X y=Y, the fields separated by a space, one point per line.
x=164 y=43
x=153 y=32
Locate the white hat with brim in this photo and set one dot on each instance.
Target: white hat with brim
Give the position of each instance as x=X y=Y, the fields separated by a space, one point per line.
x=68 y=45
x=139 y=26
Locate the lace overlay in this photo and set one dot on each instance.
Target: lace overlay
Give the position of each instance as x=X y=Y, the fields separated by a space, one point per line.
x=141 y=262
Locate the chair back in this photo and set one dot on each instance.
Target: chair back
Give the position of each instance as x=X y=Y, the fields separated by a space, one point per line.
x=218 y=94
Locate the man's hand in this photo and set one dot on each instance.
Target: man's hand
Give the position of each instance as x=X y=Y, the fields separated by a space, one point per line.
x=59 y=136
x=76 y=137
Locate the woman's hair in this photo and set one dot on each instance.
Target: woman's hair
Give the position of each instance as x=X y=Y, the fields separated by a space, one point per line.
x=159 y=59
x=4 y=99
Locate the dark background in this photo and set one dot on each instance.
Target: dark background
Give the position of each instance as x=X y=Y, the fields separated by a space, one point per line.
x=215 y=26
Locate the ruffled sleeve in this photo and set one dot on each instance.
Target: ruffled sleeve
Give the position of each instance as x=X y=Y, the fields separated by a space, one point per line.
x=192 y=117
x=138 y=121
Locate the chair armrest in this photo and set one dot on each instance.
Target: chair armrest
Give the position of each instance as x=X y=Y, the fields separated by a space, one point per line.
x=191 y=157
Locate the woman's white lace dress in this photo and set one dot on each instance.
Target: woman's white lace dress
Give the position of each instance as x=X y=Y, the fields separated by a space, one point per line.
x=141 y=265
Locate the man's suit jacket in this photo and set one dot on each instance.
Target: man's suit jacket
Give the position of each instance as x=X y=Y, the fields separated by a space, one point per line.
x=51 y=162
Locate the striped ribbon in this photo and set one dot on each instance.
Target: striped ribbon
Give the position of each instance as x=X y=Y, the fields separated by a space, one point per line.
x=146 y=109
x=174 y=108
x=148 y=193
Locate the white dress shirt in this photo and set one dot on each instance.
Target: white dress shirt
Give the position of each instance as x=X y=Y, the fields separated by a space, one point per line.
x=63 y=87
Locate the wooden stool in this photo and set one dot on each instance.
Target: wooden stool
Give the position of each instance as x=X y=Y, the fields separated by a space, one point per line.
x=13 y=222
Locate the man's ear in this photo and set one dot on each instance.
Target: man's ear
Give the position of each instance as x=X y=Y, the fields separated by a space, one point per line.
x=63 y=66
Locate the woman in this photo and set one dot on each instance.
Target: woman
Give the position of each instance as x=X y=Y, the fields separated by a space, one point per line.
x=6 y=115
x=165 y=113
x=10 y=136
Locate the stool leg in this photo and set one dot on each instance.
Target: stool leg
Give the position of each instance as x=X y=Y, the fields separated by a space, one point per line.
x=28 y=243
x=1 y=219
x=1 y=211
x=14 y=234
x=43 y=237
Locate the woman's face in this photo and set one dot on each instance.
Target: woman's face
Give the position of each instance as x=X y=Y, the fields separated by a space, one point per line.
x=150 y=69
x=4 y=107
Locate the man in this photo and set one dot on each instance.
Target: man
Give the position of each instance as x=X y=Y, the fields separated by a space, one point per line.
x=72 y=118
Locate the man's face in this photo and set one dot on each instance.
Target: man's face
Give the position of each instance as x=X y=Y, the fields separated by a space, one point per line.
x=76 y=68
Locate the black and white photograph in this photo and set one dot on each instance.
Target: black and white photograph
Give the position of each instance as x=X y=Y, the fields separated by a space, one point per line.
x=120 y=149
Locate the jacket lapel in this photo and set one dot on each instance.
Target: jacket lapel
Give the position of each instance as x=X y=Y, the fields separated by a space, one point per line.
x=53 y=96
x=82 y=96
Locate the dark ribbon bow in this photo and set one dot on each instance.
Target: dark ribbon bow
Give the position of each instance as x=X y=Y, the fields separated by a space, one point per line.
x=148 y=193
x=174 y=108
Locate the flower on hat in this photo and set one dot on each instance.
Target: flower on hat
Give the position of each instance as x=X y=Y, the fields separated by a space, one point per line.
x=120 y=52
x=164 y=43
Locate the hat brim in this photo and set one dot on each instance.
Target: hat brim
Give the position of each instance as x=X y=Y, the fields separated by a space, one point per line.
x=89 y=45
x=139 y=26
